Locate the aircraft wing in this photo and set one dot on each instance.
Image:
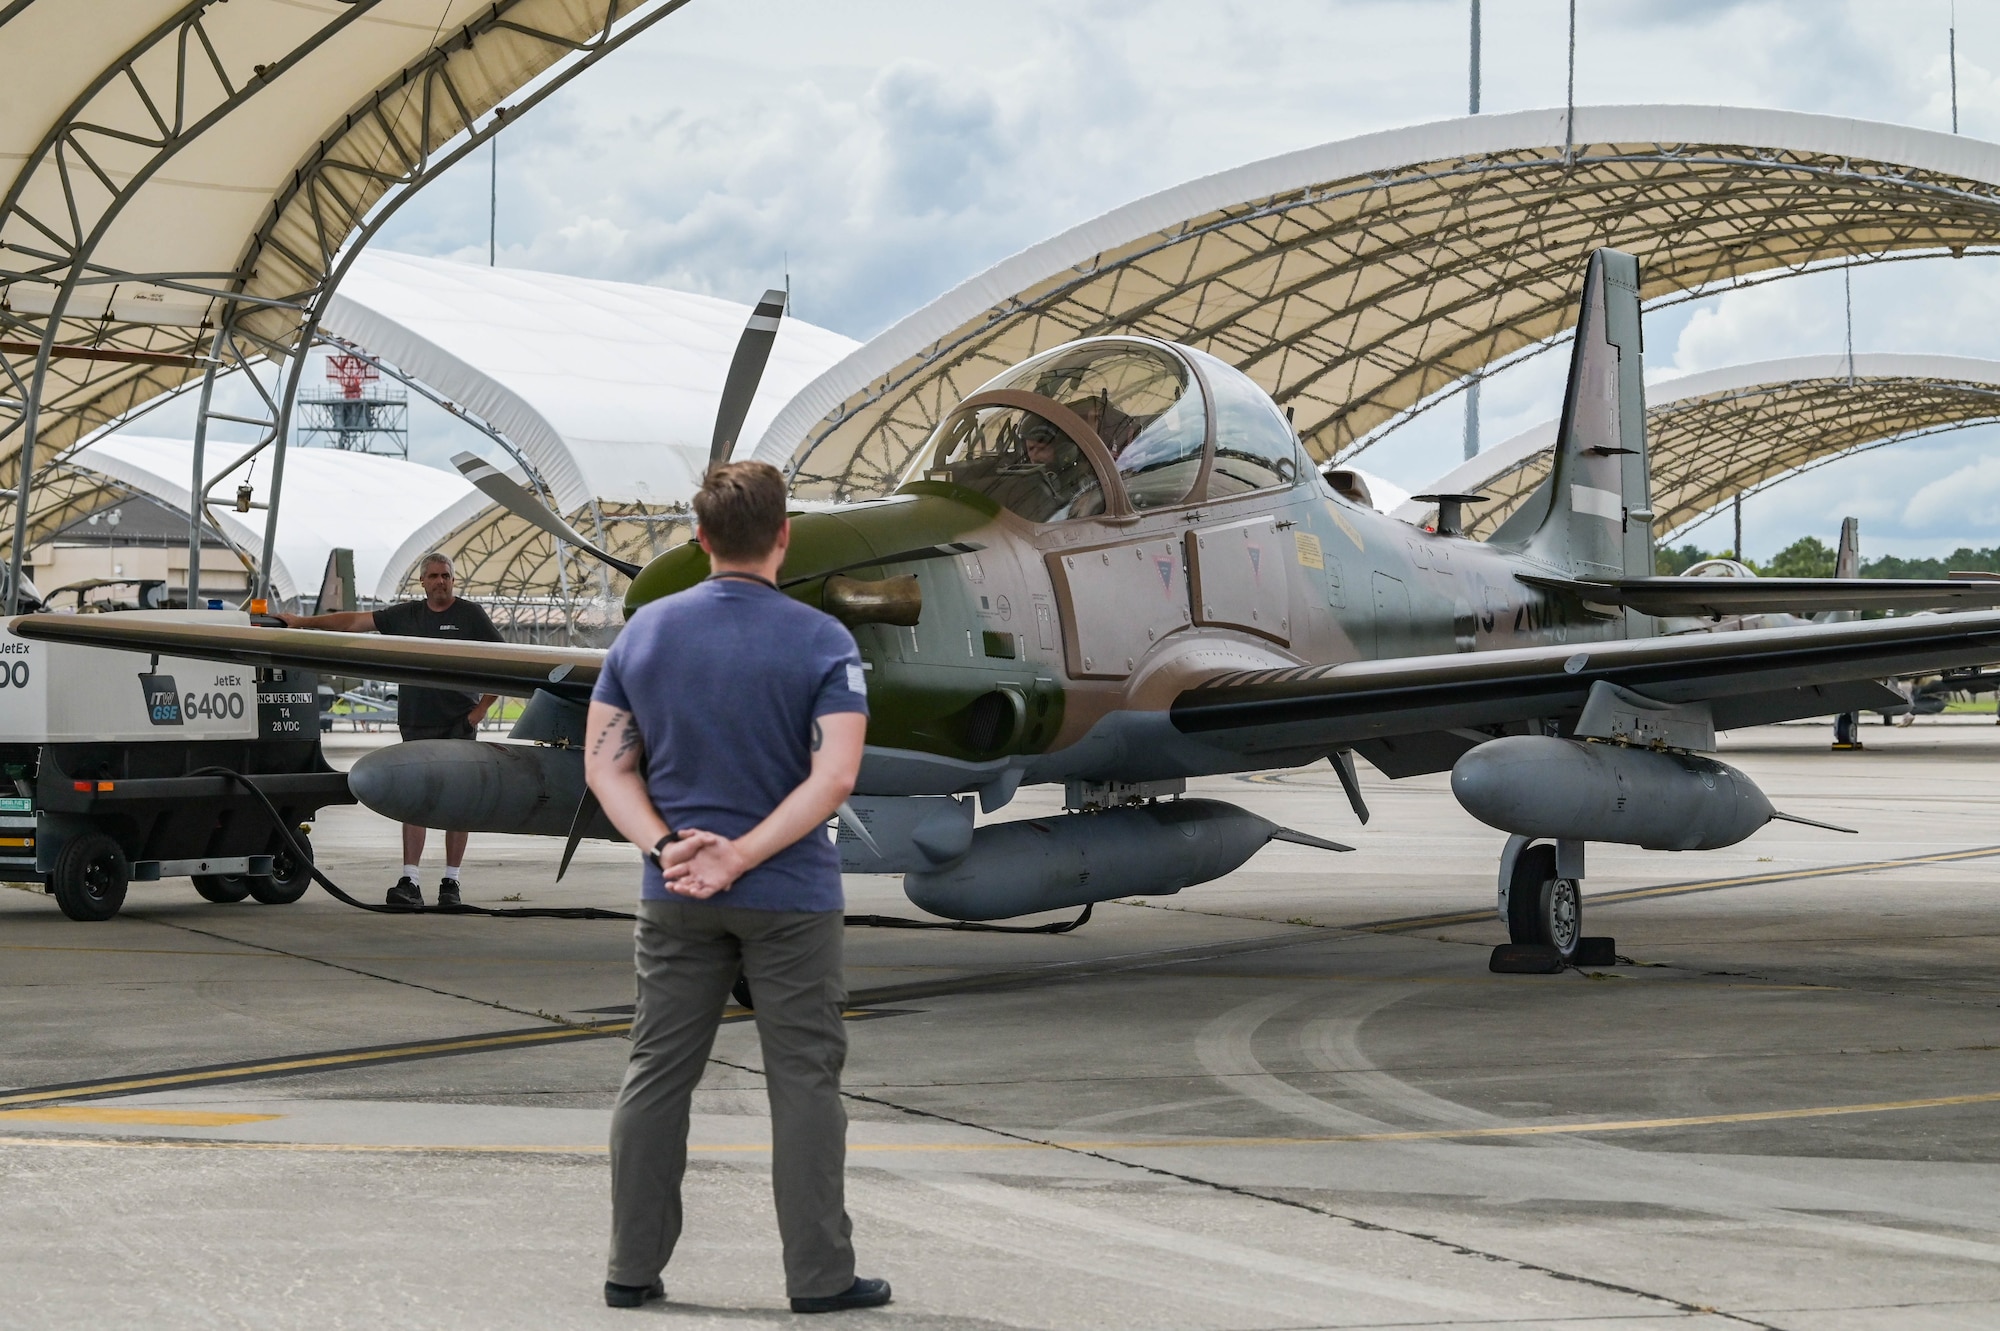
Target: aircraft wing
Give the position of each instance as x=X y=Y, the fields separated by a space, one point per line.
x=1717 y=597
x=1748 y=678
x=478 y=667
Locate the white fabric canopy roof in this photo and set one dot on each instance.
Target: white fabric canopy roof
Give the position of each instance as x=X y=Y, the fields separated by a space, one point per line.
x=609 y=388
x=366 y=503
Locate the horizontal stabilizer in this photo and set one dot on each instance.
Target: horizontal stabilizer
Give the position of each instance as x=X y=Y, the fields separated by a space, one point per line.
x=1712 y=598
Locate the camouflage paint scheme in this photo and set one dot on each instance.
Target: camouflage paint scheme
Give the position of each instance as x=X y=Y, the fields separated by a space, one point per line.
x=1256 y=630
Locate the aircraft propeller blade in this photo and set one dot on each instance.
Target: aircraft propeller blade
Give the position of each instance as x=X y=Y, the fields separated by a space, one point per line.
x=746 y=369
x=496 y=486
x=852 y=822
x=586 y=810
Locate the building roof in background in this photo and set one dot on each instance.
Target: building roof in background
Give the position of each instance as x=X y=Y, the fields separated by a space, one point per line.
x=609 y=388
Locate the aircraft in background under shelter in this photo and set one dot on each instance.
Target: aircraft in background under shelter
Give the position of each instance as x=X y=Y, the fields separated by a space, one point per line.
x=1114 y=567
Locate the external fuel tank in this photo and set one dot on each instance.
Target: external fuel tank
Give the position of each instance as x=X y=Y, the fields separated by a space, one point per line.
x=1565 y=789
x=1038 y=864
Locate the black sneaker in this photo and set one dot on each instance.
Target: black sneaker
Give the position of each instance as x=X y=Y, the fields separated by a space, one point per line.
x=633 y=1296
x=448 y=892
x=405 y=893
x=863 y=1293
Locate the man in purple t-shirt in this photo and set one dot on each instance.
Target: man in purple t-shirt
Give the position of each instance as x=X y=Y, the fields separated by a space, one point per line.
x=725 y=730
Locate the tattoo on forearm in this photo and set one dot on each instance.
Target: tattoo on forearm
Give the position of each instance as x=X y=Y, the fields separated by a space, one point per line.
x=819 y=736
x=628 y=737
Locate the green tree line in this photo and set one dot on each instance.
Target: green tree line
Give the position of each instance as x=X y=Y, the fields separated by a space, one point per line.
x=1810 y=557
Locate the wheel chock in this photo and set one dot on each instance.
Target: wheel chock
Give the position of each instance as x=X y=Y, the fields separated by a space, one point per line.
x=1526 y=959
x=1596 y=952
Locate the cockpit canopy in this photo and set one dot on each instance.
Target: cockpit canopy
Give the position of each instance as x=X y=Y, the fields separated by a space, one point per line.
x=1113 y=426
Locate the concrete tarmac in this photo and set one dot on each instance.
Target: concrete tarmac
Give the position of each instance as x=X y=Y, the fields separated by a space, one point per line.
x=1291 y=1098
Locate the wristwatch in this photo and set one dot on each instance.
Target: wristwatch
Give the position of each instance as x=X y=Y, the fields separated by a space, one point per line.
x=653 y=855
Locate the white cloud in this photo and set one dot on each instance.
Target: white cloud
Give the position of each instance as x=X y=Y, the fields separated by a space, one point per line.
x=1968 y=498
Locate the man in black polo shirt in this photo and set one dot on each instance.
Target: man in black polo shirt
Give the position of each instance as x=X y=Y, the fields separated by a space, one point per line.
x=424 y=713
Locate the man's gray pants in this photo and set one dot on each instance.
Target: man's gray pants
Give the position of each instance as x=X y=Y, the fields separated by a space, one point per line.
x=688 y=955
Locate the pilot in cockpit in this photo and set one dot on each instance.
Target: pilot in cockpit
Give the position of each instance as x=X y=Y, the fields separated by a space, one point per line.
x=1066 y=486
x=1038 y=444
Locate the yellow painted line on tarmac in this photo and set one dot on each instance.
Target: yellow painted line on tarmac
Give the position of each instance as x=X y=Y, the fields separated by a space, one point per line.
x=143 y=951
x=1584 y=1128
x=314 y=1148
x=318 y=1061
x=152 y=1118
x=1680 y=889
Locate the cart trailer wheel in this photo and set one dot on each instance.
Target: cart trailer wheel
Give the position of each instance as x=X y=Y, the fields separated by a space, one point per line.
x=90 y=877
x=290 y=876
x=222 y=888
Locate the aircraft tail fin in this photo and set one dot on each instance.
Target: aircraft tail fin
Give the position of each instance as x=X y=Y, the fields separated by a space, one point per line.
x=1847 y=559
x=1593 y=516
x=336 y=585
x=1846 y=564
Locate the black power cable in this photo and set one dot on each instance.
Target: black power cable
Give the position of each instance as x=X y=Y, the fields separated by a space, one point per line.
x=333 y=890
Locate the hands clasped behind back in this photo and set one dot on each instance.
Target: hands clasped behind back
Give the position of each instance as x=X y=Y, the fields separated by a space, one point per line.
x=701 y=864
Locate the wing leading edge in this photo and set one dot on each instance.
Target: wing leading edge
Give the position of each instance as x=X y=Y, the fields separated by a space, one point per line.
x=1716 y=597
x=479 y=667
x=1749 y=678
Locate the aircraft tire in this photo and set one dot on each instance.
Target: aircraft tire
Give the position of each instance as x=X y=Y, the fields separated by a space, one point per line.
x=290 y=876
x=1542 y=908
x=90 y=877
x=222 y=888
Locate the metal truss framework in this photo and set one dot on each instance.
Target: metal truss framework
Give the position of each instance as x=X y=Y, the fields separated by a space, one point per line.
x=91 y=326
x=1709 y=444
x=1357 y=300
x=66 y=492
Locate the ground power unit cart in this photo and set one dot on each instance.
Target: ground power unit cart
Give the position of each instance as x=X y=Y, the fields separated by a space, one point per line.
x=103 y=756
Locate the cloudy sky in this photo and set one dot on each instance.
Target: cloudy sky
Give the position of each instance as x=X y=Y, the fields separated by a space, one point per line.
x=883 y=150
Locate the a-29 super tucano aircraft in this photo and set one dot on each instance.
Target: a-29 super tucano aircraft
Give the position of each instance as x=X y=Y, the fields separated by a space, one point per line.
x=1114 y=567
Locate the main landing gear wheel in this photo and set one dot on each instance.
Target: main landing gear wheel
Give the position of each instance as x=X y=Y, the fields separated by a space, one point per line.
x=290 y=875
x=222 y=888
x=90 y=877
x=1542 y=908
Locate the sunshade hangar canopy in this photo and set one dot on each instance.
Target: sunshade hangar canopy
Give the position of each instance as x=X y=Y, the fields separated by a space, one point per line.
x=1357 y=280
x=180 y=181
